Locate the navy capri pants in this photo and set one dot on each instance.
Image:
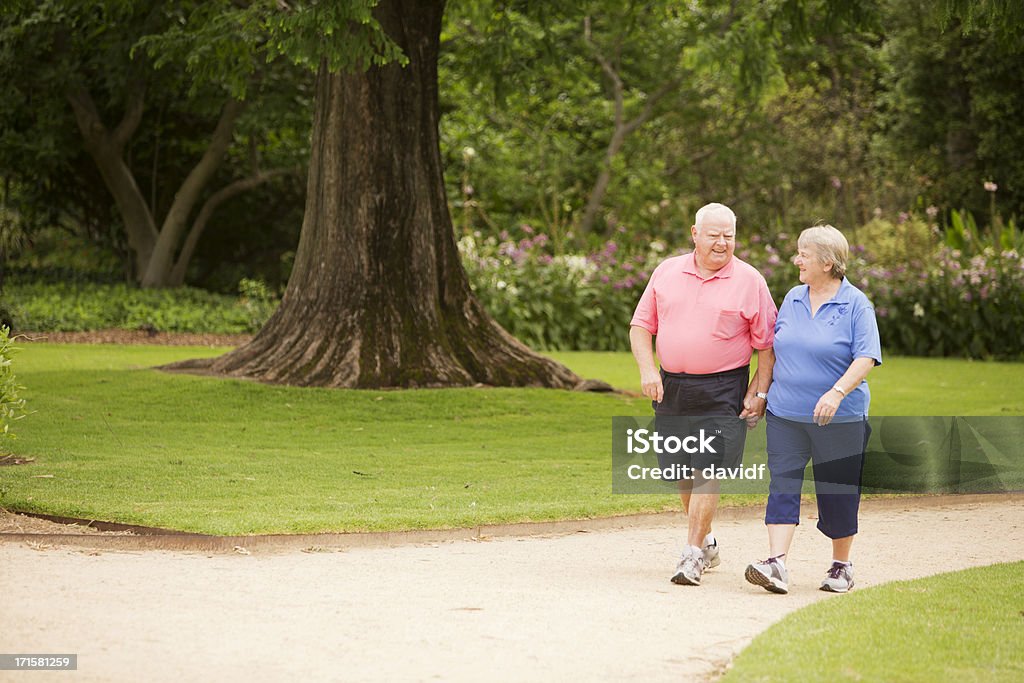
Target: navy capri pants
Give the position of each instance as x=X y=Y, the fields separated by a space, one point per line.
x=836 y=452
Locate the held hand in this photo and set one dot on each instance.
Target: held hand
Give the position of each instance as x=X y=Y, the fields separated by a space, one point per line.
x=826 y=407
x=651 y=384
x=753 y=410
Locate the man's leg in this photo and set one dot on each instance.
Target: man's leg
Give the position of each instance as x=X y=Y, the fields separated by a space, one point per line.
x=700 y=511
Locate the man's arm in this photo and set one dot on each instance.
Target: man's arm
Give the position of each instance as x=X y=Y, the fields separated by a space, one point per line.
x=754 y=407
x=650 y=379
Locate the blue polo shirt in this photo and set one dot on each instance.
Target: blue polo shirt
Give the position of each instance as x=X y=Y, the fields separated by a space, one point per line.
x=812 y=353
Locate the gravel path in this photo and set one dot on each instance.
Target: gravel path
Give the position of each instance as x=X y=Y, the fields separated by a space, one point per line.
x=585 y=606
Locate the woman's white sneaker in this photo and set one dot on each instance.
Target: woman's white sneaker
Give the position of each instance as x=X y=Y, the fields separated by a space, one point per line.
x=839 y=578
x=770 y=574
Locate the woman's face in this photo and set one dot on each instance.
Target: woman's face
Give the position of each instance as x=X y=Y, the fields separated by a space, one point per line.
x=812 y=270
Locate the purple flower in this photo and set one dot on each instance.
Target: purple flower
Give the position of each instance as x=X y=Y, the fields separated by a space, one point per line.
x=605 y=279
x=882 y=312
x=756 y=239
x=526 y=228
x=904 y=216
x=932 y=211
x=836 y=182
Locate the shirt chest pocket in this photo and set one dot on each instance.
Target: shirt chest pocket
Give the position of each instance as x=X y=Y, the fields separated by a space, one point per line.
x=729 y=324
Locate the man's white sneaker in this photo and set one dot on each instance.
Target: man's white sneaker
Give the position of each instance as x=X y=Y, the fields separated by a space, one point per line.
x=689 y=569
x=710 y=554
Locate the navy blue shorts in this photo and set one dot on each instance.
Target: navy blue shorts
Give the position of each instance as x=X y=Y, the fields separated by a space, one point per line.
x=705 y=409
x=836 y=452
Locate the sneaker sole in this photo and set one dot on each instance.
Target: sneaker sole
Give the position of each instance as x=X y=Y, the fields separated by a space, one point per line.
x=830 y=589
x=714 y=562
x=758 y=579
x=683 y=580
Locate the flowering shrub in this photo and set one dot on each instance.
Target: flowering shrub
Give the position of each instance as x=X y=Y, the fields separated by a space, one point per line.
x=570 y=301
x=951 y=303
x=953 y=306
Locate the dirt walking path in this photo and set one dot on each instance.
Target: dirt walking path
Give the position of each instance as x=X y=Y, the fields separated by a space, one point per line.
x=584 y=606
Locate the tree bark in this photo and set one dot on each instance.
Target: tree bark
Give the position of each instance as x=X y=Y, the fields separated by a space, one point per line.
x=378 y=296
x=107 y=150
x=158 y=268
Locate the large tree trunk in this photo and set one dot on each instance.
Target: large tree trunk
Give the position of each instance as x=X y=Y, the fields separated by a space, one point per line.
x=378 y=296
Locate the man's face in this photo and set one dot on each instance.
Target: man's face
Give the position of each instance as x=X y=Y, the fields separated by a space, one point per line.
x=714 y=241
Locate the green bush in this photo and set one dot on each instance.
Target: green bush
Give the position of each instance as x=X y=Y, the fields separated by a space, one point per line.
x=12 y=406
x=89 y=306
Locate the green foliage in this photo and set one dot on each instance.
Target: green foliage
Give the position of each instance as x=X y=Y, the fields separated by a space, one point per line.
x=947 y=104
x=84 y=306
x=570 y=301
x=963 y=235
x=225 y=42
x=12 y=404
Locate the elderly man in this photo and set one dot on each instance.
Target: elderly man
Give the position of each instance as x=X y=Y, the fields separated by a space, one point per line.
x=708 y=310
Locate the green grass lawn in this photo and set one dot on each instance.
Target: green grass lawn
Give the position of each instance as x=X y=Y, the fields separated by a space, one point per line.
x=963 y=626
x=115 y=440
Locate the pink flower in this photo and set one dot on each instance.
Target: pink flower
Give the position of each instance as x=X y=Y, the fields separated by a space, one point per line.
x=932 y=211
x=990 y=186
x=836 y=182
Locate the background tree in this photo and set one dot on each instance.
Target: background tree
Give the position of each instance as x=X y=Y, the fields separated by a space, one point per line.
x=378 y=296
x=158 y=130
x=948 y=106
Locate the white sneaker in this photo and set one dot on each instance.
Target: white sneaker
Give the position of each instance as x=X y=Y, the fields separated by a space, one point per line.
x=839 y=578
x=710 y=554
x=689 y=569
x=769 y=574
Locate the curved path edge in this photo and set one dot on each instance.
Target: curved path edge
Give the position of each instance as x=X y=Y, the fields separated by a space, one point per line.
x=133 y=537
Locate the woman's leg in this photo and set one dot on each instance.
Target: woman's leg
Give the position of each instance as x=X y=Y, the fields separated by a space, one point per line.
x=841 y=548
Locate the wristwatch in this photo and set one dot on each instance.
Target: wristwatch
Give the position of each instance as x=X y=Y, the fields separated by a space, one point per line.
x=761 y=394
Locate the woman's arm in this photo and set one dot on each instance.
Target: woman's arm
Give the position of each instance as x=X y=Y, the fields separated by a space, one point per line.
x=829 y=402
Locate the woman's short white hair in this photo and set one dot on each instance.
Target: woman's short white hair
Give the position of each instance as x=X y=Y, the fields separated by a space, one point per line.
x=829 y=245
x=714 y=207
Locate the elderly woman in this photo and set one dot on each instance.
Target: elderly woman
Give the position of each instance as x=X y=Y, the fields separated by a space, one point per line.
x=826 y=342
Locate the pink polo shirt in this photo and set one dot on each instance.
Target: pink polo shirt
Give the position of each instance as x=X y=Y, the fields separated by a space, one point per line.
x=705 y=326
